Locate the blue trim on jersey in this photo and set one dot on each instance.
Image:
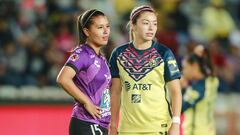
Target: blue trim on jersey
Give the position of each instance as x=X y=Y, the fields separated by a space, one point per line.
x=171 y=72
x=199 y=87
x=113 y=60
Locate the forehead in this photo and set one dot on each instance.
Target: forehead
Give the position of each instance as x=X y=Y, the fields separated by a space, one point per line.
x=148 y=16
x=99 y=20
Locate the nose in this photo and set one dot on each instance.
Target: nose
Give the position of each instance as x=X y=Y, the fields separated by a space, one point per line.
x=150 y=27
x=106 y=30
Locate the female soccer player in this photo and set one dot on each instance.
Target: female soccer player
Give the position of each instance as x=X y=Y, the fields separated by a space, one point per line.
x=200 y=95
x=142 y=70
x=86 y=76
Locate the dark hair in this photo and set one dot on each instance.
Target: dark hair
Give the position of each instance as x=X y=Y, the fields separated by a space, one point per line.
x=85 y=20
x=135 y=14
x=204 y=61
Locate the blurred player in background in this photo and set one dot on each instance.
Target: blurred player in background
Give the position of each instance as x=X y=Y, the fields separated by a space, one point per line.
x=142 y=70
x=200 y=94
x=86 y=76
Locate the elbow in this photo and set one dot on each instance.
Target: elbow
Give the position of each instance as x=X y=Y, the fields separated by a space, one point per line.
x=60 y=80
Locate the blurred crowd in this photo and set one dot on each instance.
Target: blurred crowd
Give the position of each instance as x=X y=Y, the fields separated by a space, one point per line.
x=36 y=36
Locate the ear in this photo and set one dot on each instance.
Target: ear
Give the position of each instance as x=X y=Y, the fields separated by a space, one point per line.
x=86 y=31
x=132 y=26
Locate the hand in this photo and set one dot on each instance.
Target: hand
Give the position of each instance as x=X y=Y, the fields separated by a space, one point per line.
x=93 y=110
x=174 y=129
x=112 y=130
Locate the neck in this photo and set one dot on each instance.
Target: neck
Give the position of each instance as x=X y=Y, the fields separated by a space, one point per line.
x=95 y=47
x=142 y=45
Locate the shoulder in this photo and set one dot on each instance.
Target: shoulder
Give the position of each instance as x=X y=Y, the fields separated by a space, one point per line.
x=199 y=86
x=162 y=49
x=121 y=48
x=212 y=81
x=118 y=50
x=81 y=50
x=79 y=53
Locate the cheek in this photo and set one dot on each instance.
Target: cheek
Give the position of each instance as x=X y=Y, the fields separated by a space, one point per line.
x=141 y=29
x=108 y=30
x=155 y=29
x=96 y=34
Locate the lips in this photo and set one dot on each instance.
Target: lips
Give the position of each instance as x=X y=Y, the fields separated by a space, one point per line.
x=149 y=34
x=105 y=38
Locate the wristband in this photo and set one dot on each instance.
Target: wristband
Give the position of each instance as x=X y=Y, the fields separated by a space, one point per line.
x=176 y=119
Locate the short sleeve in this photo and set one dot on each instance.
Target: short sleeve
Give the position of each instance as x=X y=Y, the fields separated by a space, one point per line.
x=77 y=60
x=171 y=70
x=113 y=64
x=192 y=96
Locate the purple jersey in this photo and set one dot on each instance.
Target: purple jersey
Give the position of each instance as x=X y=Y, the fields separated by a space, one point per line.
x=93 y=79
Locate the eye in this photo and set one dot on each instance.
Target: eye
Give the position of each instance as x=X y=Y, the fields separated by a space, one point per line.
x=146 y=23
x=100 y=27
x=155 y=24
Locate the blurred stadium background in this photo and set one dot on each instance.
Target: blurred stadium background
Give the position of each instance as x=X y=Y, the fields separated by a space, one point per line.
x=37 y=35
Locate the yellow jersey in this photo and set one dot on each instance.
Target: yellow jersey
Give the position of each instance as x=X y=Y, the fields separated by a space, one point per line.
x=198 y=107
x=144 y=73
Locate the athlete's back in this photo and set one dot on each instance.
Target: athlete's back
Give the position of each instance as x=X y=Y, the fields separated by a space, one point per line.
x=199 y=119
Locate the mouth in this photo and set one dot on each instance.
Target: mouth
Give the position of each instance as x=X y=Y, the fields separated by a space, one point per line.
x=105 y=38
x=149 y=34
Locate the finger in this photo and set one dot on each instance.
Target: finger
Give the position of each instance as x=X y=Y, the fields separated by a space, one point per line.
x=98 y=115
x=93 y=116
x=98 y=112
x=98 y=108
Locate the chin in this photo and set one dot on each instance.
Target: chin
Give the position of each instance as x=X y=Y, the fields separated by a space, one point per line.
x=148 y=39
x=106 y=42
x=103 y=44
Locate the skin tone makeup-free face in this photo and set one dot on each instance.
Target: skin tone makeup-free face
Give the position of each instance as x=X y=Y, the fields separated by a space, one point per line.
x=99 y=31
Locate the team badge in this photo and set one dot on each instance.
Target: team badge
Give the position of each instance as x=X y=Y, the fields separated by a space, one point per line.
x=74 y=57
x=136 y=98
x=153 y=63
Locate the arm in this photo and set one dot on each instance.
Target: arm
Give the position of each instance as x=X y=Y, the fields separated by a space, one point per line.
x=176 y=97
x=65 y=80
x=115 y=93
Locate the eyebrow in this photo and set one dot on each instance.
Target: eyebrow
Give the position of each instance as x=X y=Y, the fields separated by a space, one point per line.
x=103 y=24
x=149 y=20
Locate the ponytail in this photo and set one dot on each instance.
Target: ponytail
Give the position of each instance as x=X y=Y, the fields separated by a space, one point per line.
x=82 y=37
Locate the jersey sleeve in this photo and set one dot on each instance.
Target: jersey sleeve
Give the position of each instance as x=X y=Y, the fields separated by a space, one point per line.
x=77 y=60
x=192 y=96
x=171 y=70
x=113 y=64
